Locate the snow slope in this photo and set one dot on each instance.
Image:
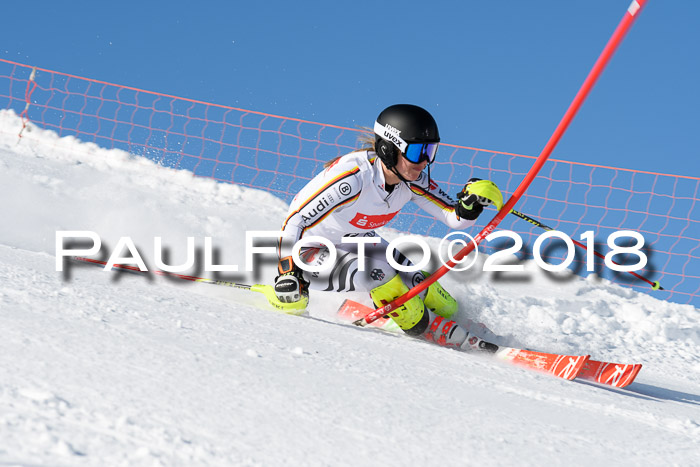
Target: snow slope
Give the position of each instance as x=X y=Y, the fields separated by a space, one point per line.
x=105 y=368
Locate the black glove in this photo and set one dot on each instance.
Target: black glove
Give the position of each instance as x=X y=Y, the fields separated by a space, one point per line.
x=469 y=206
x=290 y=285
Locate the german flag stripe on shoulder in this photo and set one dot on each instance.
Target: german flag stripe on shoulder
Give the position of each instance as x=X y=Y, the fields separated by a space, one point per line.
x=431 y=197
x=333 y=181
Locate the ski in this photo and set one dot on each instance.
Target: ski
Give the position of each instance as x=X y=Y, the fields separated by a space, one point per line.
x=617 y=375
x=559 y=365
x=351 y=311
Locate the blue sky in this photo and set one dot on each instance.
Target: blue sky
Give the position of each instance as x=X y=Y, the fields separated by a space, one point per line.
x=496 y=75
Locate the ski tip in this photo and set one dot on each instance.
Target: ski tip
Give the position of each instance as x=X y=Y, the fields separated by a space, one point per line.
x=632 y=375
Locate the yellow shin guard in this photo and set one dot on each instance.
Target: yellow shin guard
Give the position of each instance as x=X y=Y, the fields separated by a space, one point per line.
x=410 y=312
x=439 y=301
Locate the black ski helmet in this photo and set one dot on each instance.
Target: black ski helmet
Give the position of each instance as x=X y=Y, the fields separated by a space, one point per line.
x=400 y=125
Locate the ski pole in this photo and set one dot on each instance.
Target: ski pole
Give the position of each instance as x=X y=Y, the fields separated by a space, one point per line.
x=603 y=59
x=654 y=284
x=294 y=308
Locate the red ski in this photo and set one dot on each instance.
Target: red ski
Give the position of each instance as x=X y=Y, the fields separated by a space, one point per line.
x=617 y=375
x=562 y=366
x=351 y=311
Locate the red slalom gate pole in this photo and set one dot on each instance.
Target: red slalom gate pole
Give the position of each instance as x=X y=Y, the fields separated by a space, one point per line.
x=615 y=40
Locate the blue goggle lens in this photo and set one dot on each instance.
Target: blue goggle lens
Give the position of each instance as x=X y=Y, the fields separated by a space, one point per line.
x=417 y=153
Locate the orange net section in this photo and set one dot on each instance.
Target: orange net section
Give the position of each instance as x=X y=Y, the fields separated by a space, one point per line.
x=279 y=155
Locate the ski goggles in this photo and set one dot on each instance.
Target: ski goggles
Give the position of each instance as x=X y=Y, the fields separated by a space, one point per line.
x=418 y=153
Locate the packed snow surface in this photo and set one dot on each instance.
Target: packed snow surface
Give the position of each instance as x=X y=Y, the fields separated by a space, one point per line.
x=108 y=368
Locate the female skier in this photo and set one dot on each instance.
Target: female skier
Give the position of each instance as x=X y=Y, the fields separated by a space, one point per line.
x=362 y=191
